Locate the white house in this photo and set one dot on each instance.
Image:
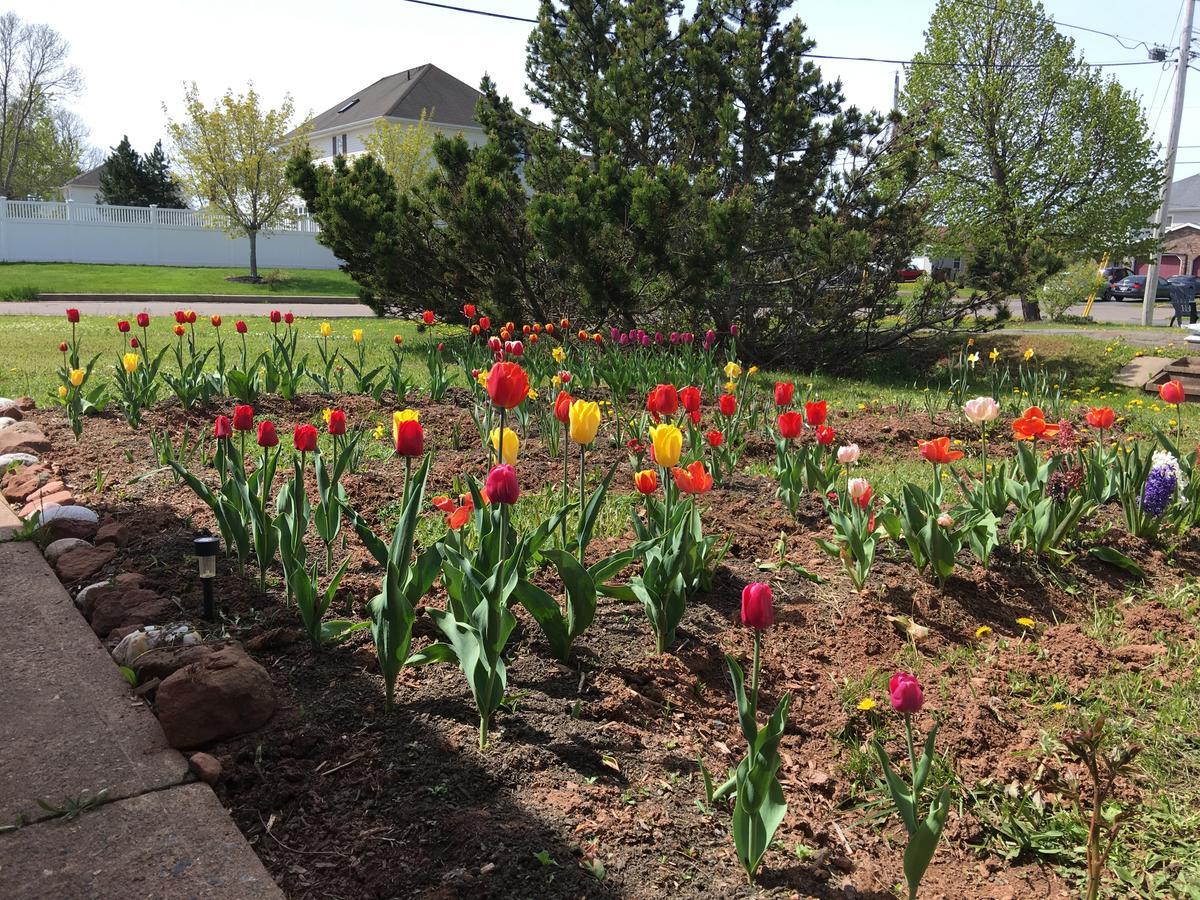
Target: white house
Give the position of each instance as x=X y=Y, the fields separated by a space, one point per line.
x=447 y=103
x=85 y=187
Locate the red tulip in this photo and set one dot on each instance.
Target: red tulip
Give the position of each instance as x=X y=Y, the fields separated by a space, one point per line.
x=815 y=413
x=646 y=481
x=906 y=694
x=758 y=611
x=1032 y=425
x=305 y=438
x=222 y=428
x=469 y=310
x=190 y=316
x=143 y=320
x=1101 y=417
x=783 y=393
x=266 y=434
x=123 y=327
x=276 y=317
x=715 y=438
x=288 y=318
x=179 y=329
x=337 y=421
x=727 y=404
x=243 y=418
x=790 y=424
x=938 y=451
x=507 y=385
x=62 y=347
x=240 y=326
x=1172 y=392
x=826 y=435
x=474 y=330
x=427 y=317
x=485 y=323
x=216 y=321
x=73 y=316
x=690 y=398
x=133 y=342
x=663 y=400
x=562 y=407
x=410 y=438
x=180 y=317
x=501 y=485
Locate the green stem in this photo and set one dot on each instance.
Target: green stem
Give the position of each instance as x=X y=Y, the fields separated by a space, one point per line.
x=566 y=478
x=912 y=754
x=582 y=453
x=754 y=675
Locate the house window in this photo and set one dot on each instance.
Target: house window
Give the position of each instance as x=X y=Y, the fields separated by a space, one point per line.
x=343 y=145
x=334 y=153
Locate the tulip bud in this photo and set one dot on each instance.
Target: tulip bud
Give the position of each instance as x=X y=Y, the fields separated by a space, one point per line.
x=501 y=484
x=222 y=428
x=906 y=694
x=757 y=606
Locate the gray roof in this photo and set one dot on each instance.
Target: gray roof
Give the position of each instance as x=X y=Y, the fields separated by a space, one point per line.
x=1185 y=193
x=90 y=178
x=441 y=96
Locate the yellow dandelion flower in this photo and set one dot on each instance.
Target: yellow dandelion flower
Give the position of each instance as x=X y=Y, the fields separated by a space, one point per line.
x=982 y=631
x=1026 y=622
x=866 y=704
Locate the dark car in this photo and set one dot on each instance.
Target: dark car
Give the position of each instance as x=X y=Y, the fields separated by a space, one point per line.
x=1191 y=282
x=1134 y=288
x=1113 y=275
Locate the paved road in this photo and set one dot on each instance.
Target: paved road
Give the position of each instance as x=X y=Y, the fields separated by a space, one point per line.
x=226 y=307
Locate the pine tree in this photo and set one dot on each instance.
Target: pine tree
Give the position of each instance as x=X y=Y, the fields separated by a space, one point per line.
x=159 y=186
x=121 y=180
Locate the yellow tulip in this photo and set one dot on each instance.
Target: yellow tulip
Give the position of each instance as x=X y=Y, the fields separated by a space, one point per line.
x=732 y=370
x=584 y=421
x=326 y=330
x=406 y=415
x=357 y=335
x=130 y=362
x=512 y=445
x=76 y=377
x=62 y=390
x=668 y=444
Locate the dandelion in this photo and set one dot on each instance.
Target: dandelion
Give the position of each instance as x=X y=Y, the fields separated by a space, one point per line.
x=982 y=631
x=1059 y=706
x=1026 y=623
x=866 y=704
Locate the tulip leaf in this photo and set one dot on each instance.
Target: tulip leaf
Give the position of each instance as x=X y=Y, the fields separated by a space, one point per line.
x=1115 y=557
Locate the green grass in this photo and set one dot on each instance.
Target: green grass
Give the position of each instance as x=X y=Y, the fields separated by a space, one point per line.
x=20 y=281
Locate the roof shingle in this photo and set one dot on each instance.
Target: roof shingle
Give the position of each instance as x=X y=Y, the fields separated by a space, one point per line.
x=443 y=98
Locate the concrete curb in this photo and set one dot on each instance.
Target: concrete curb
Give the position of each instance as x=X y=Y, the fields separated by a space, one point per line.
x=198 y=299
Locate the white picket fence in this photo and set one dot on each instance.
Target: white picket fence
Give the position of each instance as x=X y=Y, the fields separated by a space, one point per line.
x=48 y=231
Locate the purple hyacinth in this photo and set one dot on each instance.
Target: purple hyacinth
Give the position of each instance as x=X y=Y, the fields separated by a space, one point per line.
x=1160 y=488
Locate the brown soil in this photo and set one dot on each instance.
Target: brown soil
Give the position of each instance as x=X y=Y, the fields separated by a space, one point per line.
x=598 y=760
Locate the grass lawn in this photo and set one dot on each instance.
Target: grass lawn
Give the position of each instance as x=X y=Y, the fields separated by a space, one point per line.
x=21 y=281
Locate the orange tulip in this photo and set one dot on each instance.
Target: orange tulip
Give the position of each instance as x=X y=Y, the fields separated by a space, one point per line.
x=693 y=479
x=1172 y=392
x=1101 y=417
x=938 y=451
x=646 y=481
x=1032 y=425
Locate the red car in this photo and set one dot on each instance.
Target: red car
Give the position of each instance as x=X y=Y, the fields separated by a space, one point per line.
x=912 y=273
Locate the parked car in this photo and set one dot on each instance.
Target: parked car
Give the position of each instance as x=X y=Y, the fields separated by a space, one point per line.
x=1113 y=275
x=1191 y=282
x=1133 y=287
x=911 y=273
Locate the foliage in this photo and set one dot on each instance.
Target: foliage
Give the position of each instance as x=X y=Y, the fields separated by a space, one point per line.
x=1073 y=285
x=404 y=151
x=1046 y=160
x=234 y=157
x=130 y=179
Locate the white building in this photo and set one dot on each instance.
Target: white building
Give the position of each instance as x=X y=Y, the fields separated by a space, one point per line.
x=447 y=103
x=85 y=187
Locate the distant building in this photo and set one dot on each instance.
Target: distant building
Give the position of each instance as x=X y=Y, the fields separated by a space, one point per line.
x=1181 y=231
x=85 y=187
x=447 y=103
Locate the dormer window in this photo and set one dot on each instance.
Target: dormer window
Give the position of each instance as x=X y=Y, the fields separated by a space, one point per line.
x=348 y=104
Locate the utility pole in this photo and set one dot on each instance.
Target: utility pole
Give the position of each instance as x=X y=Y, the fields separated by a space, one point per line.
x=1185 y=56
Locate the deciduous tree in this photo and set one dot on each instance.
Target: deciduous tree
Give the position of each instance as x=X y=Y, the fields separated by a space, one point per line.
x=234 y=156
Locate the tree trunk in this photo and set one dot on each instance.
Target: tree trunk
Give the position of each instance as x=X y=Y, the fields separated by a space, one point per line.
x=252 y=233
x=1030 y=310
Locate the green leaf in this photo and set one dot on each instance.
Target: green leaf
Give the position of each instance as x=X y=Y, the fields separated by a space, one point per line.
x=1116 y=558
x=335 y=631
x=547 y=614
x=923 y=841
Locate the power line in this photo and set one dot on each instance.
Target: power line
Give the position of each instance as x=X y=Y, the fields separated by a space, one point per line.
x=867 y=59
x=1120 y=39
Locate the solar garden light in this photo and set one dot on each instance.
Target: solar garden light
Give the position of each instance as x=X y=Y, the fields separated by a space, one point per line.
x=206 y=549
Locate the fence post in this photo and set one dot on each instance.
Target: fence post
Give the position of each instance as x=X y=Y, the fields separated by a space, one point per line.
x=68 y=208
x=153 y=213
x=4 y=228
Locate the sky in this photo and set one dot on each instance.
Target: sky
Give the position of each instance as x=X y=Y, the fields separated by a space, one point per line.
x=136 y=57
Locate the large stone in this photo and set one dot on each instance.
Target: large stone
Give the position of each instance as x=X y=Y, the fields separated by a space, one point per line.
x=63 y=545
x=24 y=437
x=19 y=485
x=26 y=404
x=149 y=637
x=40 y=505
x=219 y=697
x=5 y=421
x=10 y=409
x=117 y=606
x=162 y=662
x=77 y=528
x=7 y=459
x=53 y=486
x=83 y=563
x=82 y=513
x=112 y=532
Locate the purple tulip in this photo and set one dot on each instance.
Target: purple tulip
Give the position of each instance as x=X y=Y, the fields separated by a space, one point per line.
x=614 y=332
x=733 y=329
x=623 y=340
x=688 y=337
x=645 y=340
x=709 y=336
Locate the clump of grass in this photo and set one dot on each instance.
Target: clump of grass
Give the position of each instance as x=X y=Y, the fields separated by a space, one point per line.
x=20 y=292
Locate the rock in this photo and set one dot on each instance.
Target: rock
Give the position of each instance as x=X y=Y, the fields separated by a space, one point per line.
x=112 y=532
x=26 y=404
x=148 y=637
x=80 y=528
x=226 y=694
x=57 y=548
x=7 y=459
x=85 y=595
x=162 y=662
x=51 y=487
x=5 y=421
x=82 y=513
x=58 y=498
x=24 y=437
x=10 y=409
x=276 y=637
x=206 y=767
x=119 y=606
x=19 y=485
x=83 y=563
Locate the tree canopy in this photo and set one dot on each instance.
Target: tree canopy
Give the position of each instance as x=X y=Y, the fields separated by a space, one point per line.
x=1047 y=161
x=130 y=179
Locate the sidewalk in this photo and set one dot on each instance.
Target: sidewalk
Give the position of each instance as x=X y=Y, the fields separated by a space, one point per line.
x=227 y=305
x=70 y=730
